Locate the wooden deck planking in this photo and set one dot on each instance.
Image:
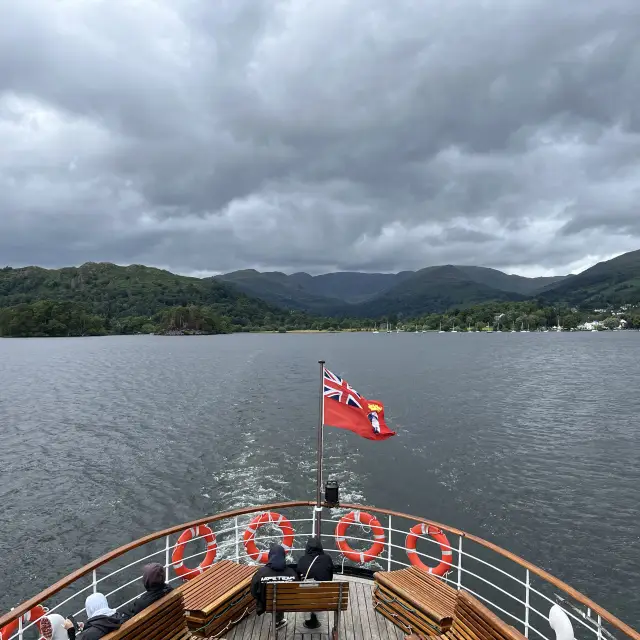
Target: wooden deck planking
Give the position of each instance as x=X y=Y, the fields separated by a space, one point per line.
x=358 y=622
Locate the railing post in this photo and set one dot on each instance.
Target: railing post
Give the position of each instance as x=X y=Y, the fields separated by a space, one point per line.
x=95 y=581
x=167 y=547
x=526 y=606
x=599 y=627
x=459 y=562
x=313 y=526
x=20 y=627
x=389 y=547
x=237 y=539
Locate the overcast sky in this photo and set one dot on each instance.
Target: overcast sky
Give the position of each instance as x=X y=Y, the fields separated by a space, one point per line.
x=205 y=136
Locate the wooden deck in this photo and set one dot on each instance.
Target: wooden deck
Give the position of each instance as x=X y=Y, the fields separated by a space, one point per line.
x=359 y=622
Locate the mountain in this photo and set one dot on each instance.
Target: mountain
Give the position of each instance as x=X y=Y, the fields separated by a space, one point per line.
x=509 y=282
x=280 y=289
x=350 y=293
x=323 y=294
x=351 y=286
x=432 y=290
x=612 y=282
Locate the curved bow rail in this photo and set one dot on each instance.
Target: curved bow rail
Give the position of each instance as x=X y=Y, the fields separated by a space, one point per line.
x=520 y=592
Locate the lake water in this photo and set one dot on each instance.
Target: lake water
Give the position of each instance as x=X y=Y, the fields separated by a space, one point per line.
x=528 y=440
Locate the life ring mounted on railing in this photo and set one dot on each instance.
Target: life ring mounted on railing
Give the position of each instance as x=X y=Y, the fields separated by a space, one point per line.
x=34 y=614
x=264 y=518
x=364 y=518
x=178 y=553
x=445 y=548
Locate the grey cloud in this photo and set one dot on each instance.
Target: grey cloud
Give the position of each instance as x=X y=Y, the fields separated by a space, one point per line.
x=369 y=134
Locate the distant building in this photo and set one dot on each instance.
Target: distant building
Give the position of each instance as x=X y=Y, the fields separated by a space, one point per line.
x=590 y=326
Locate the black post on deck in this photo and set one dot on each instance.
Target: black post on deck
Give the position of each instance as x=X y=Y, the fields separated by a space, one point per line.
x=318 y=510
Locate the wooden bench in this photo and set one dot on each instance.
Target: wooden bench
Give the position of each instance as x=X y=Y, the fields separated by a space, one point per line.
x=163 y=620
x=307 y=596
x=415 y=601
x=219 y=598
x=475 y=621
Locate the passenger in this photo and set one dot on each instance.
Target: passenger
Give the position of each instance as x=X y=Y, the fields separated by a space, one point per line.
x=55 y=627
x=315 y=564
x=101 y=620
x=275 y=570
x=153 y=576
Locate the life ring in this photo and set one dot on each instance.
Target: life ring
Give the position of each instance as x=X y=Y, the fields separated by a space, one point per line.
x=33 y=615
x=256 y=523
x=445 y=548
x=366 y=519
x=178 y=553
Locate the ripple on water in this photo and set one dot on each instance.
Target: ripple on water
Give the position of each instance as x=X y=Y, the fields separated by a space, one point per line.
x=529 y=440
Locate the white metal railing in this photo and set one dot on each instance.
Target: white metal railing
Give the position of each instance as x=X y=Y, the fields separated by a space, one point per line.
x=515 y=598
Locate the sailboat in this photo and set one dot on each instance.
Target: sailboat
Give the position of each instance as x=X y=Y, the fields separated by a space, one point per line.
x=513 y=328
x=375 y=329
x=454 y=330
x=441 y=331
x=558 y=327
x=388 y=330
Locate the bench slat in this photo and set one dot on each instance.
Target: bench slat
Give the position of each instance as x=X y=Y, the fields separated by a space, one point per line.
x=220 y=597
x=408 y=620
x=161 y=620
x=304 y=596
x=474 y=621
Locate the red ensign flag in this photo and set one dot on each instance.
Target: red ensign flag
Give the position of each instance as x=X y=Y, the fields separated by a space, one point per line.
x=345 y=408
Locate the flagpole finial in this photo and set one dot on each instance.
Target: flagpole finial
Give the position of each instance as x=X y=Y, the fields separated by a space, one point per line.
x=321 y=361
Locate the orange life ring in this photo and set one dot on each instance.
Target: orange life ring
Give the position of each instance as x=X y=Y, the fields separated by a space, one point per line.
x=178 y=553
x=33 y=615
x=256 y=523
x=367 y=519
x=438 y=535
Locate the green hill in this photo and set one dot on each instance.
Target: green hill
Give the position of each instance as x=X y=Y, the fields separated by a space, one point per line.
x=114 y=293
x=613 y=282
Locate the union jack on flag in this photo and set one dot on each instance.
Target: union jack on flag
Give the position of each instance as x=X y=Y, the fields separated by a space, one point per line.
x=338 y=389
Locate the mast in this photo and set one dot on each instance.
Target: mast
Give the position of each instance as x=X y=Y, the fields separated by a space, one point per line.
x=318 y=510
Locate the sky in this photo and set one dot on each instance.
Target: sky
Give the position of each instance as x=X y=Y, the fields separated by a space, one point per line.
x=206 y=136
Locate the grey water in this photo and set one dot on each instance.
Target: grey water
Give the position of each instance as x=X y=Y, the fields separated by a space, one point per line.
x=528 y=440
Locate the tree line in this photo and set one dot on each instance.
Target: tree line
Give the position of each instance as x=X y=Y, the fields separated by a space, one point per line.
x=52 y=318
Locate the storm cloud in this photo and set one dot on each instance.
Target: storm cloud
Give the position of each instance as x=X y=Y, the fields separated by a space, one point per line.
x=206 y=136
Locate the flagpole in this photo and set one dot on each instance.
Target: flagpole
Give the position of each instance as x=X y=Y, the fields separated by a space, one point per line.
x=318 y=510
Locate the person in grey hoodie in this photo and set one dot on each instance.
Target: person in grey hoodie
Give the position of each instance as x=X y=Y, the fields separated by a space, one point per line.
x=153 y=578
x=101 y=619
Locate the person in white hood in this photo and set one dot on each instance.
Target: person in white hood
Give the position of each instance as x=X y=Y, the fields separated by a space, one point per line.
x=101 y=619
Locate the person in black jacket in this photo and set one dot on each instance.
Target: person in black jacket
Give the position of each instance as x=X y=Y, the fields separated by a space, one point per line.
x=275 y=570
x=101 y=619
x=315 y=564
x=153 y=579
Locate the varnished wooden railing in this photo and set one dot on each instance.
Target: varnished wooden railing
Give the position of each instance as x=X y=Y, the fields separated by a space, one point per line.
x=112 y=555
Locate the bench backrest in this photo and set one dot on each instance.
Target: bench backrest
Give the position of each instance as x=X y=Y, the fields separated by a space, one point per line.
x=473 y=619
x=163 y=620
x=307 y=596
